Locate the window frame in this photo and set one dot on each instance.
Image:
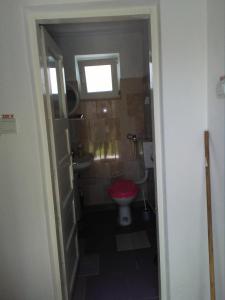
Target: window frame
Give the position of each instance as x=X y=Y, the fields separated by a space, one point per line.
x=112 y=59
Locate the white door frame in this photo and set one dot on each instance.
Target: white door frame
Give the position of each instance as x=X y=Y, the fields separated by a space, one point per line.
x=34 y=16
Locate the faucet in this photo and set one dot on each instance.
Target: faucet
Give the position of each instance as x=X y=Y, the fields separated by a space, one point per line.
x=133 y=141
x=132 y=137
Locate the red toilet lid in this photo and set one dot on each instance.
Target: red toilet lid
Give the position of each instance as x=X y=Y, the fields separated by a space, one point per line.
x=123 y=189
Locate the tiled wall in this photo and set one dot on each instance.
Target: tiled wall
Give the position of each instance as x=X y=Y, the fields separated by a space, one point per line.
x=104 y=131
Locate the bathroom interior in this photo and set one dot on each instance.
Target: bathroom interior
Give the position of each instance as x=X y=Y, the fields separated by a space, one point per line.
x=112 y=143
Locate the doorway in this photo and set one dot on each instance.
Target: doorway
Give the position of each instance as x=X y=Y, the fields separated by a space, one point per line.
x=156 y=157
x=112 y=123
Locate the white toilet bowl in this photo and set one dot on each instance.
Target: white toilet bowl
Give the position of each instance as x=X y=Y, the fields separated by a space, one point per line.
x=123 y=192
x=124 y=217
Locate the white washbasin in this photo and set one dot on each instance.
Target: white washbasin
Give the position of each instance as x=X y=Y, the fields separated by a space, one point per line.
x=82 y=163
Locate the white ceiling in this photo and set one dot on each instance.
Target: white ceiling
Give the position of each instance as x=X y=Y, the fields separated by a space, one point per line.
x=97 y=27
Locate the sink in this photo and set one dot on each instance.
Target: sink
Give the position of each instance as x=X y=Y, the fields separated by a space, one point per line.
x=83 y=162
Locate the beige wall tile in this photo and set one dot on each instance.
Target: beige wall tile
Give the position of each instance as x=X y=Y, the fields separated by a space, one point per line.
x=104 y=131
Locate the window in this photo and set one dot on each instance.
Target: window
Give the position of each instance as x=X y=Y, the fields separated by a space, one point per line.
x=98 y=75
x=98 y=78
x=53 y=81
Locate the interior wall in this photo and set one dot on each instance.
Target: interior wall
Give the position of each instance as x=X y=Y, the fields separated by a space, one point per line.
x=126 y=37
x=184 y=50
x=25 y=255
x=216 y=125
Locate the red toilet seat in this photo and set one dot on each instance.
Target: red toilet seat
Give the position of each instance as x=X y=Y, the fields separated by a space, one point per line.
x=123 y=189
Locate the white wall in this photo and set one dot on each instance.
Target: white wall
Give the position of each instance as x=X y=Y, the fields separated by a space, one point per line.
x=183 y=27
x=216 y=124
x=25 y=271
x=126 y=38
x=24 y=254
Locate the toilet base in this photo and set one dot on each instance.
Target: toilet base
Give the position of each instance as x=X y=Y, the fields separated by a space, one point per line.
x=124 y=218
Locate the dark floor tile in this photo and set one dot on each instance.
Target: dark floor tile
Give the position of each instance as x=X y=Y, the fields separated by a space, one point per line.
x=98 y=226
x=89 y=265
x=99 y=244
x=125 y=275
x=150 y=298
x=118 y=262
x=80 y=289
x=146 y=260
x=142 y=285
x=107 y=287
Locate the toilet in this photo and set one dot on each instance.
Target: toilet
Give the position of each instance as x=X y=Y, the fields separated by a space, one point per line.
x=123 y=192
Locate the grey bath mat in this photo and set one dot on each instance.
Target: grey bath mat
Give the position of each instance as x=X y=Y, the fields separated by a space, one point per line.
x=89 y=265
x=132 y=241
